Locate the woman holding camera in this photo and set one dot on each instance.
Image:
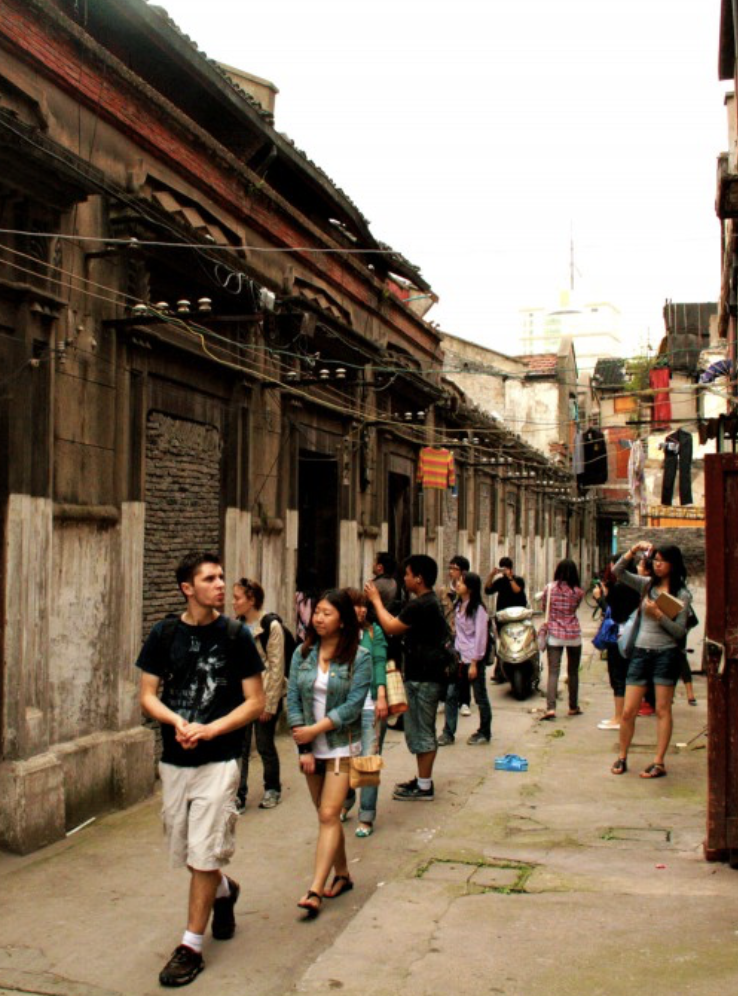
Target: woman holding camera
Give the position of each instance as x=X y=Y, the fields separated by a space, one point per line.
x=656 y=654
x=330 y=676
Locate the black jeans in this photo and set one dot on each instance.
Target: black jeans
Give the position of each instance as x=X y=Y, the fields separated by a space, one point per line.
x=617 y=669
x=267 y=749
x=683 y=461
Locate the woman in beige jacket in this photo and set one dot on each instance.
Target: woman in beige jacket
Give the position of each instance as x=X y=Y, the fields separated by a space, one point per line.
x=248 y=605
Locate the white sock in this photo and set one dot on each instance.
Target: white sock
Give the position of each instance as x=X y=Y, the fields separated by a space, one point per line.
x=224 y=888
x=193 y=941
x=425 y=783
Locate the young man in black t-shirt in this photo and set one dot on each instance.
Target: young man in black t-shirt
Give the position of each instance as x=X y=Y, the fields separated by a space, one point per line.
x=201 y=679
x=510 y=591
x=509 y=588
x=423 y=627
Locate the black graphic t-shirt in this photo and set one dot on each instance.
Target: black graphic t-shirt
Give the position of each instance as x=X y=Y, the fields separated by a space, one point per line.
x=201 y=680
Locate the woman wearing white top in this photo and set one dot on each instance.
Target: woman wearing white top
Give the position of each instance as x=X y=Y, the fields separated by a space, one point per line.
x=330 y=676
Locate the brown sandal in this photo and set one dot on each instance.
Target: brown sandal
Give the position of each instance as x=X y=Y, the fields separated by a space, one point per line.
x=620 y=766
x=547 y=717
x=576 y=711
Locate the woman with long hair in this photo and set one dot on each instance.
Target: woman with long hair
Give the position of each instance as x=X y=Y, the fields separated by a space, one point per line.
x=564 y=631
x=373 y=715
x=471 y=641
x=657 y=654
x=330 y=676
x=620 y=601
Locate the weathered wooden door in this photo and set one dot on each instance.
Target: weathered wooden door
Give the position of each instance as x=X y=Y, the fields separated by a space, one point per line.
x=721 y=663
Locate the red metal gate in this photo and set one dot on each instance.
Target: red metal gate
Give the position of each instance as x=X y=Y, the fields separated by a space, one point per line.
x=721 y=651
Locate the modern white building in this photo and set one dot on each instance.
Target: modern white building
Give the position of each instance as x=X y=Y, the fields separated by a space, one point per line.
x=594 y=326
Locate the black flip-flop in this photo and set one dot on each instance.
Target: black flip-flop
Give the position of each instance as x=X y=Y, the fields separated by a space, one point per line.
x=654 y=771
x=310 y=908
x=345 y=885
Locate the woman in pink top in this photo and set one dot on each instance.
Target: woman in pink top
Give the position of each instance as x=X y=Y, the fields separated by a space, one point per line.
x=563 y=631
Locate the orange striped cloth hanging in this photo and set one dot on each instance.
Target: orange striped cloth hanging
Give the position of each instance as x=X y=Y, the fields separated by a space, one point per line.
x=436 y=468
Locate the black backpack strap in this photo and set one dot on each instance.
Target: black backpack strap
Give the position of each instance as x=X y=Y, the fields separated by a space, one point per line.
x=266 y=627
x=233 y=627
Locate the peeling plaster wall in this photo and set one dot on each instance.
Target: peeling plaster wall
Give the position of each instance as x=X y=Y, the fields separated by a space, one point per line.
x=81 y=639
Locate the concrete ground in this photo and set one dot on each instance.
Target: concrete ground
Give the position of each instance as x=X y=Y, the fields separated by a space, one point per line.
x=561 y=880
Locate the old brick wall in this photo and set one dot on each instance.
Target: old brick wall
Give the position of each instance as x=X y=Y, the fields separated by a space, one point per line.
x=182 y=505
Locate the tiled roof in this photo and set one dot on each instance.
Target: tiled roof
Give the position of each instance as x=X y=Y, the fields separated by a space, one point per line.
x=609 y=372
x=400 y=262
x=540 y=364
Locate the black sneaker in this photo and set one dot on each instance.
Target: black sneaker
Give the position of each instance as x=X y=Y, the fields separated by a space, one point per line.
x=182 y=968
x=240 y=804
x=478 y=738
x=224 y=920
x=412 y=792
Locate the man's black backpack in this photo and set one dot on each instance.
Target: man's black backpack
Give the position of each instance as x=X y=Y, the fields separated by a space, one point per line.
x=290 y=643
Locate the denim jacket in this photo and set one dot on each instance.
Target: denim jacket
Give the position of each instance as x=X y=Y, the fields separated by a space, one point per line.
x=347 y=688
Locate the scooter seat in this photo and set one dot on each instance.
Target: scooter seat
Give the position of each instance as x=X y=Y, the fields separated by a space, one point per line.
x=515 y=613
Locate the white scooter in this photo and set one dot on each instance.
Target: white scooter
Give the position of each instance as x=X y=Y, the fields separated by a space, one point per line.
x=517 y=650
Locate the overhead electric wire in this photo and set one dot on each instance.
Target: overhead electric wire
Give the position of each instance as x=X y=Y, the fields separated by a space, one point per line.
x=232 y=349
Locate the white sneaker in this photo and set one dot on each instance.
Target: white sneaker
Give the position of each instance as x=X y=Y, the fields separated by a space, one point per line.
x=607 y=724
x=465 y=710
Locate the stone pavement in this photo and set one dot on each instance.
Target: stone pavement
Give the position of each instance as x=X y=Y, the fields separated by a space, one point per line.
x=563 y=879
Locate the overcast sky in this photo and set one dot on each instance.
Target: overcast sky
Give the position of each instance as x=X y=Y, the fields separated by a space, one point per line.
x=475 y=134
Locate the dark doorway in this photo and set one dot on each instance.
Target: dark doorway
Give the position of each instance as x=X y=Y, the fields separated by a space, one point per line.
x=399 y=514
x=317 y=546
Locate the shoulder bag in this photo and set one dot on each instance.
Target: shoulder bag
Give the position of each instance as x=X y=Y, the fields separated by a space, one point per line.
x=630 y=630
x=543 y=630
x=364 y=771
x=607 y=634
x=396 y=695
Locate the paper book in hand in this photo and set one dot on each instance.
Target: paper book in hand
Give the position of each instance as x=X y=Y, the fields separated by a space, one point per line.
x=669 y=605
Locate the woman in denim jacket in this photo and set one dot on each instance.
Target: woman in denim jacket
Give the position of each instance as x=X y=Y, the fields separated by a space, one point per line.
x=373 y=715
x=330 y=676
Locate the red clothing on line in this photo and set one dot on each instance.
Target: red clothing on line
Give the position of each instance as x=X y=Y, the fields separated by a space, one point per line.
x=659 y=379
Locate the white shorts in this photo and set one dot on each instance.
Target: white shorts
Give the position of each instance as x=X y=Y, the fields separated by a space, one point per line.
x=199 y=813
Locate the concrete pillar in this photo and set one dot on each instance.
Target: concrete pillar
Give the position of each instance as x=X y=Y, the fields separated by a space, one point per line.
x=28 y=562
x=349 y=562
x=128 y=610
x=237 y=553
x=31 y=803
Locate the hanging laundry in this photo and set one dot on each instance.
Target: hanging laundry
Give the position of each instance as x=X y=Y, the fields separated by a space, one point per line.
x=637 y=476
x=659 y=381
x=677 y=449
x=723 y=368
x=595 y=459
x=436 y=468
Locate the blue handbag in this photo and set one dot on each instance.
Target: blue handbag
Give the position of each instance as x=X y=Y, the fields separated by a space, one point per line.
x=608 y=632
